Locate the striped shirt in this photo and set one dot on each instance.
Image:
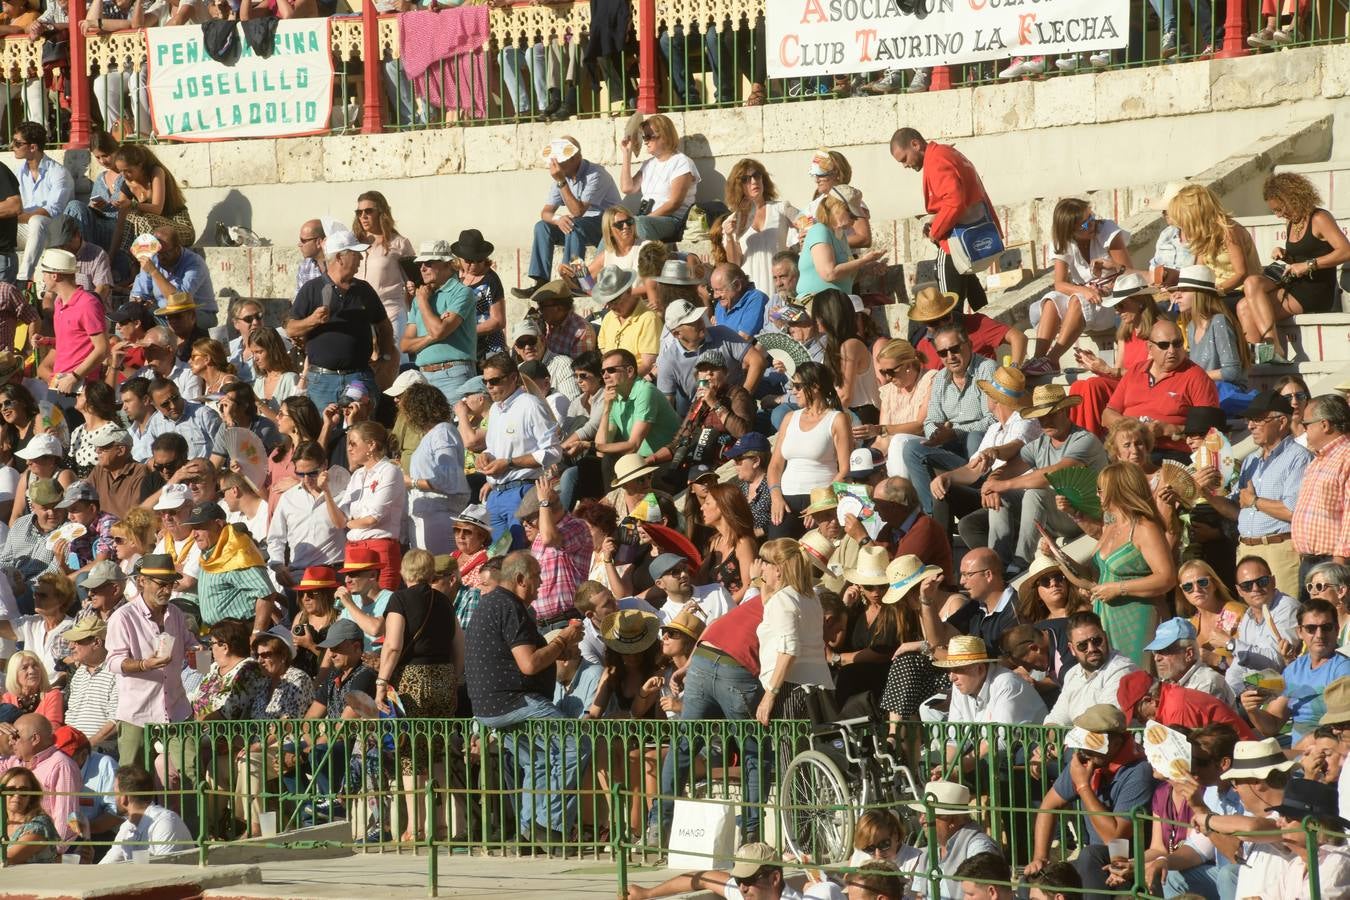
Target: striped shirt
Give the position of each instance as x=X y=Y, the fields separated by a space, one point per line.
x=964 y=408
x=1321 y=523
x=93 y=700
x=233 y=594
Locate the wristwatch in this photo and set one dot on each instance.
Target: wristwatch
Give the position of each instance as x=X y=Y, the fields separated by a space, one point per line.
x=835 y=658
x=543 y=504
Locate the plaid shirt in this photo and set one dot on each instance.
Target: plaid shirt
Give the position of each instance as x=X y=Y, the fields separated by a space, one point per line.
x=1321 y=523
x=571 y=338
x=964 y=409
x=562 y=569
x=26 y=550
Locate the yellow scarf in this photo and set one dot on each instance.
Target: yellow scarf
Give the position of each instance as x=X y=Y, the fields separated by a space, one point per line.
x=234 y=551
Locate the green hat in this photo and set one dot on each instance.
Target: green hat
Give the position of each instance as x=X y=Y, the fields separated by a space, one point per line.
x=46 y=492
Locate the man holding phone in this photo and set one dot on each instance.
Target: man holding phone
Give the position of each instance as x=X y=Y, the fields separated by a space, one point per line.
x=442 y=331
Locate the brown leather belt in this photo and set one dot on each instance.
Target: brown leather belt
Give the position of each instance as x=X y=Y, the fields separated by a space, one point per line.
x=1267 y=539
x=438 y=367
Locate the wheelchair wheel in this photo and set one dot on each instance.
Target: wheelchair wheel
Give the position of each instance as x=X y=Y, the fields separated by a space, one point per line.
x=817 y=809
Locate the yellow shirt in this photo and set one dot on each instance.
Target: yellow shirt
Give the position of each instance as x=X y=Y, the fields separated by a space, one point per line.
x=639 y=334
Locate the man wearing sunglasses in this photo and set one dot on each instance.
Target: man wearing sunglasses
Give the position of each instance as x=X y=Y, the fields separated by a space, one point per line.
x=1304 y=679
x=1267 y=635
x=1263 y=499
x=1160 y=391
x=247 y=315
x=303 y=530
x=1096 y=678
x=522 y=440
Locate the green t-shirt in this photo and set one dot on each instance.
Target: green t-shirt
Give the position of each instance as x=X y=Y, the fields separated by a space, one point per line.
x=462 y=343
x=645 y=403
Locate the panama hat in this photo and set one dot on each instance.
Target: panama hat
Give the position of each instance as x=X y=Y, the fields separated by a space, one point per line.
x=1197 y=278
x=434 y=251
x=822 y=498
x=931 y=304
x=1041 y=565
x=870 y=567
x=676 y=271
x=56 y=260
x=1169 y=193
x=906 y=573
x=1257 y=759
x=686 y=623
x=943 y=795
x=178 y=302
x=818 y=549
x=964 y=650
x=1048 y=399
x=1131 y=284
x=1008 y=387
x=630 y=630
x=630 y=467
x=475 y=514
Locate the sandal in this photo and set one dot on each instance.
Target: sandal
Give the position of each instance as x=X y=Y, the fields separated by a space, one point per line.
x=757 y=96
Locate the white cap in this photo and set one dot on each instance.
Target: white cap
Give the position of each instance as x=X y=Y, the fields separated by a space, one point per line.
x=340 y=241
x=860 y=460
x=41 y=445
x=404 y=381
x=172 y=497
x=682 y=312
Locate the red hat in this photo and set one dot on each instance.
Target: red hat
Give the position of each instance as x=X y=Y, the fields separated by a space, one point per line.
x=1133 y=688
x=70 y=740
x=318 y=578
x=358 y=559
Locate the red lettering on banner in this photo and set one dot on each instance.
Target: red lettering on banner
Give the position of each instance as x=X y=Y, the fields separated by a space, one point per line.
x=978 y=5
x=813 y=8
x=790 y=62
x=868 y=35
x=1025 y=23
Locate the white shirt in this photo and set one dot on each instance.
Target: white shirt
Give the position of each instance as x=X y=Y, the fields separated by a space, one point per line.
x=1015 y=429
x=376 y=491
x=1003 y=698
x=712 y=599
x=1262 y=870
x=793 y=623
x=1082 y=689
x=303 y=526
x=187 y=558
x=655 y=176
x=33 y=634
x=820 y=890
x=9 y=481
x=164 y=831
x=522 y=425
x=256 y=524
x=9 y=609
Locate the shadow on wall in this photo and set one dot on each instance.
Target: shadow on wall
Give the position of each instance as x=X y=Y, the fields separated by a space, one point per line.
x=235 y=209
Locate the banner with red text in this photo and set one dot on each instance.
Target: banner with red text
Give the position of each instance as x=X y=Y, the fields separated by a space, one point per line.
x=841 y=37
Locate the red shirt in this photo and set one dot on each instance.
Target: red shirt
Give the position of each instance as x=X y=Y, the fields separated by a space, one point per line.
x=1164 y=400
x=926 y=540
x=986 y=336
x=735 y=633
x=1191 y=709
x=75 y=322
x=950 y=187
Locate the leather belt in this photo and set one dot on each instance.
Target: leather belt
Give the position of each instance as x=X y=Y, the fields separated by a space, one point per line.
x=322 y=370
x=439 y=367
x=1266 y=539
x=714 y=654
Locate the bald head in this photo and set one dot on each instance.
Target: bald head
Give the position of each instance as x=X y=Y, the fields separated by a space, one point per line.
x=982 y=575
x=1166 y=350
x=35 y=735
x=311 y=239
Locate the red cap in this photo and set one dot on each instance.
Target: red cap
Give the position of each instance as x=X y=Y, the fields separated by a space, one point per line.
x=1133 y=688
x=70 y=740
x=359 y=559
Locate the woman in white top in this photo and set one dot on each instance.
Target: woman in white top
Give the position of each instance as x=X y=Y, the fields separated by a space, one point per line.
x=1082 y=239
x=619 y=246
x=759 y=225
x=792 y=633
x=668 y=181
x=372 y=506
x=438 y=489
x=274 y=377
x=847 y=356
x=812 y=449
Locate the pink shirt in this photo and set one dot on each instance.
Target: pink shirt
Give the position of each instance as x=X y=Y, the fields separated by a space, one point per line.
x=74 y=322
x=61 y=779
x=157 y=695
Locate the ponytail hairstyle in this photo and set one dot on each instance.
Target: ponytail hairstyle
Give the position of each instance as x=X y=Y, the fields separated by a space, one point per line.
x=787 y=555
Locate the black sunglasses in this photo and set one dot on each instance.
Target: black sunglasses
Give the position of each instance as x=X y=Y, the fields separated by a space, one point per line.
x=1198 y=584
x=252 y=320
x=954 y=350
x=1168 y=345
x=1256 y=584
x=312 y=473
x=1094 y=642
x=493 y=382
x=1321 y=628
x=880 y=846
x=623 y=223
x=610 y=370
x=1051 y=578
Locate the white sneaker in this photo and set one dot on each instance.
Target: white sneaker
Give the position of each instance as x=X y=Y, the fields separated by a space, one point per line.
x=1263 y=38
x=1100 y=58
x=919 y=83
x=1016 y=68
x=1169 y=44
x=1034 y=66
x=1067 y=63
x=887 y=84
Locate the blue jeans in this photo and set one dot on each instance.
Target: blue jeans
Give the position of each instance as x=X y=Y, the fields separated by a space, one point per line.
x=659 y=228
x=326 y=387
x=674 y=48
x=717 y=689
x=502 y=502
x=1200 y=880
x=9 y=267
x=513 y=59
x=585 y=233
x=94 y=228
x=921 y=462
x=1204 y=19
x=449 y=381
x=550 y=763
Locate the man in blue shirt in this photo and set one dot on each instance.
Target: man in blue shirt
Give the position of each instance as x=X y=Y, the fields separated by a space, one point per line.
x=586 y=190
x=199 y=425
x=740 y=305
x=1304 y=679
x=45 y=187
x=442 y=331
x=175 y=270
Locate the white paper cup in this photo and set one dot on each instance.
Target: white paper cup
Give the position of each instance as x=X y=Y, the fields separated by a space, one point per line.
x=140 y=857
x=70 y=859
x=1119 y=848
x=267 y=822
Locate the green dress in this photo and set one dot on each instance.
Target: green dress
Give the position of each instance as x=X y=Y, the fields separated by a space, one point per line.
x=1129 y=622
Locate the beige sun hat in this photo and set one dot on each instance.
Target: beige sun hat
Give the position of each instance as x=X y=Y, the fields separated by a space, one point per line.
x=1257 y=759
x=630 y=467
x=943 y=795
x=822 y=498
x=630 y=630
x=964 y=650
x=870 y=567
x=1008 y=387
x=1049 y=398
x=905 y=573
x=930 y=304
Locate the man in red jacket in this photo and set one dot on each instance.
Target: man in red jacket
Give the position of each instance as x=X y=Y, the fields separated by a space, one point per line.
x=1143 y=698
x=953 y=194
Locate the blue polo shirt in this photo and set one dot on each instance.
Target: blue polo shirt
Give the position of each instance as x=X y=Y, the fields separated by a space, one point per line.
x=189 y=275
x=460 y=344
x=1129 y=789
x=746 y=315
x=1303 y=685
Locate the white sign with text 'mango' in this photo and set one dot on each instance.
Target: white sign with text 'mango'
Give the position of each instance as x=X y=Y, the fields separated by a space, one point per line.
x=195 y=98
x=841 y=37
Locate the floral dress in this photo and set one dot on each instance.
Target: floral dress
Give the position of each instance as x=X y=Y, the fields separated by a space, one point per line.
x=291 y=698
x=241 y=693
x=45 y=829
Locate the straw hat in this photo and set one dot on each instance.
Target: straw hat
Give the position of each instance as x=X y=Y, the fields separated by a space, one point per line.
x=1008 y=387
x=1197 y=278
x=1039 y=566
x=630 y=467
x=822 y=498
x=178 y=302
x=1047 y=399
x=906 y=573
x=630 y=630
x=818 y=549
x=943 y=795
x=870 y=568
x=1169 y=193
x=964 y=650
x=1336 y=698
x=1257 y=759
x=687 y=623
x=931 y=304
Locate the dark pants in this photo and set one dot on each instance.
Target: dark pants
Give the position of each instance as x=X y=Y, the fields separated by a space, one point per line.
x=968 y=287
x=585 y=233
x=791 y=526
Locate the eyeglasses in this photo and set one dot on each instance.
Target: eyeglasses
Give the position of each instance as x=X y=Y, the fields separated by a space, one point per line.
x=1052 y=578
x=306 y=240
x=1317 y=587
x=312 y=473
x=1096 y=642
x=1198 y=584
x=1256 y=584
x=252 y=320
x=1169 y=345
x=879 y=847
x=972 y=572
x=1320 y=628
x=953 y=350
x=493 y=382
x=624 y=223
x=581 y=375
x=366 y=211
x=1306 y=422
x=217 y=643
x=611 y=370
x=466 y=531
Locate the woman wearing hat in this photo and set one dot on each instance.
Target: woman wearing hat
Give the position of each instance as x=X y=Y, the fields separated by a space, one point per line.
x=1138 y=312
x=830 y=169
x=317 y=592
x=1212 y=334
x=872 y=634
x=477 y=274
x=373 y=224
x=45 y=460
x=791 y=634
x=1084 y=244
x=911 y=677
x=678 y=637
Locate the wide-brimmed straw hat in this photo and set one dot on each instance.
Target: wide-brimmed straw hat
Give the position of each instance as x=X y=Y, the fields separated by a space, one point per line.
x=1197 y=278
x=1049 y=398
x=1131 y=284
x=964 y=650
x=818 y=549
x=931 y=304
x=906 y=573
x=1257 y=759
x=686 y=623
x=630 y=630
x=822 y=498
x=1336 y=699
x=1039 y=566
x=630 y=467
x=870 y=567
x=1008 y=387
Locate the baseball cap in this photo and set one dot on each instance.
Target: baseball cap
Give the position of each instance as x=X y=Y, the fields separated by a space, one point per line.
x=78 y=490
x=750 y=858
x=682 y=312
x=205 y=512
x=664 y=563
x=108 y=437
x=355 y=391
x=339 y=241
x=172 y=497
x=862 y=463
x=340 y=631
x=1267 y=402
x=103 y=572
x=1133 y=688
x=1169 y=633
x=750 y=442
x=404 y=381
x=40 y=445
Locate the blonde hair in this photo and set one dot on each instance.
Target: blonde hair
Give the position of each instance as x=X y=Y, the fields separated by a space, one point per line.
x=61 y=585
x=12 y=672
x=417 y=567
x=1221 y=591
x=139 y=525
x=1124 y=487
x=788 y=557
x=831 y=206
x=607 y=226
x=1127 y=425
x=215 y=354
x=874 y=826
x=665 y=129
x=1203 y=221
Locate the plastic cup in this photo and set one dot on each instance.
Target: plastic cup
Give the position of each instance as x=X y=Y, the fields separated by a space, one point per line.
x=70 y=859
x=140 y=857
x=267 y=822
x=1119 y=848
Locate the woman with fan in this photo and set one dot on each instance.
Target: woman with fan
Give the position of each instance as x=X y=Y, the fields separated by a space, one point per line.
x=904 y=391
x=239 y=409
x=1138 y=312
x=813 y=448
x=1130 y=440
x=1135 y=570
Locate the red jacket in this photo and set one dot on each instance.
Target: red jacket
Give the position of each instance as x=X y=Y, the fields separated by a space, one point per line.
x=1190 y=708
x=950 y=187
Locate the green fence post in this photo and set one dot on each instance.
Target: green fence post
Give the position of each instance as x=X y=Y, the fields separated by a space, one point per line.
x=201 y=824
x=433 y=876
x=1310 y=843
x=616 y=838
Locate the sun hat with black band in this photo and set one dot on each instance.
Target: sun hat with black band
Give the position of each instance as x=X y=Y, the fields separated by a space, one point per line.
x=434 y=251
x=1257 y=759
x=630 y=467
x=630 y=630
x=943 y=796
x=158 y=566
x=1306 y=799
x=1131 y=284
x=1196 y=278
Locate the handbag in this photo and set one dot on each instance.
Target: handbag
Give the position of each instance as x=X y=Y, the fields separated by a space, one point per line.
x=702 y=835
x=974 y=247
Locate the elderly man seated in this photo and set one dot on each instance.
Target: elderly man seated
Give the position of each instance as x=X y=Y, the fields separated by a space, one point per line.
x=26 y=549
x=678 y=359
x=947 y=806
x=1160 y=391
x=1176 y=657
x=175 y=270
x=31 y=742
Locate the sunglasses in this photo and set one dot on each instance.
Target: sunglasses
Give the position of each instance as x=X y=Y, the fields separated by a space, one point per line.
x=1169 y=345
x=954 y=350
x=611 y=370
x=1052 y=578
x=888 y=373
x=268 y=654
x=879 y=847
x=493 y=382
x=468 y=531
x=252 y=320
x=1256 y=584
x=1299 y=396
x=1321 y=628
x=1198 y=584
x=624 y=223
x=1317 y=587
x=366 y=211
x=312 y=473
x=8 y=404
x=526 y=341
x=165 y=467
x=753 y=176
x=168 y=402
x=648 y=137
x=1088 y=222
x=1096 y=642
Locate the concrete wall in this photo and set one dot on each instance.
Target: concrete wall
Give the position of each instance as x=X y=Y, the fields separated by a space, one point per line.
x=1120 y=133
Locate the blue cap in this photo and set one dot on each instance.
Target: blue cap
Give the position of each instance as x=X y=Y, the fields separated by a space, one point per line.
x=750 y=442
x=475 y=385
x=664 y=563
x=1169 y=633
x=9 y=713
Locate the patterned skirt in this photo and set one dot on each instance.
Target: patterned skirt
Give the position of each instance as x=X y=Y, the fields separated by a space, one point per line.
x=911 y=680
x=427 y=692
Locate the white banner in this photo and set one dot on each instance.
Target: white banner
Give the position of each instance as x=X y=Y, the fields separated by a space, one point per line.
x=195 y=98
x=841 y=37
